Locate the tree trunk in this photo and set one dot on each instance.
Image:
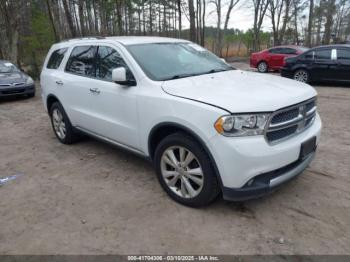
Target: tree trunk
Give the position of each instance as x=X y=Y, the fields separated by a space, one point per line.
x=180 y=17
x=309 y=27
x=218 y=37
x=329 y=22
x=286 y=19
x=199 y=21
x=192 y=21
x=150 y=18
x=203 y=24
x=69 y=19
x=81 y=17
x=57 y=37
x=232 y=4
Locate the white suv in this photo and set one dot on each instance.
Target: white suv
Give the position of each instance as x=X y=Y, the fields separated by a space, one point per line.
x=207 y=127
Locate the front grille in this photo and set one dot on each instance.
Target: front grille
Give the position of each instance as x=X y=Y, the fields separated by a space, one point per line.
x=15 y=91
x=279 y=134
x=285 y=116
x=289 y=121
x=13 y=84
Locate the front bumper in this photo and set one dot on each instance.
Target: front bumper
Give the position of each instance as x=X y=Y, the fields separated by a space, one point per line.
x=286 y=73
x=266 y=183
x=239 y=159
x=18 y=90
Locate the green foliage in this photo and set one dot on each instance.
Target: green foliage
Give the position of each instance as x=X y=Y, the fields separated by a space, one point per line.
x=35 y=45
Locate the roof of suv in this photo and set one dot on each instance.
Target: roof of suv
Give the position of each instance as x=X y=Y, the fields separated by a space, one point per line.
x=128 y=40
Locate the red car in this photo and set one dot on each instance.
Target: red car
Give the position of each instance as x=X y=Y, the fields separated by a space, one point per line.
x=273 y=58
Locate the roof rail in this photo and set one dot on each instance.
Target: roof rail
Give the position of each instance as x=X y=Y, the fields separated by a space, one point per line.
x=84 y=38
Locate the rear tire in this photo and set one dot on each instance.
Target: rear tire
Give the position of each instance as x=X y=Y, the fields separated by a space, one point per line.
x=61 y=125
x=263 y=67
x=189 y=182
x=301 y=75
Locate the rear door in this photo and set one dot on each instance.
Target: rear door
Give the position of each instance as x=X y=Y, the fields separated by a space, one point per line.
x=343 y=59
x=276 y=58
x=325 y=64
x=78 y=79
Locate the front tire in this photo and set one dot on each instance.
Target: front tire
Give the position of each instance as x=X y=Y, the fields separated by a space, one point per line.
x=61 y=125
x=185 y=171
x=301 y=75
x=263 y=67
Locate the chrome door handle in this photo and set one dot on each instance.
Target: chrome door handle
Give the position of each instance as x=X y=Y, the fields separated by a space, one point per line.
x=59 y=82
x=95 y=90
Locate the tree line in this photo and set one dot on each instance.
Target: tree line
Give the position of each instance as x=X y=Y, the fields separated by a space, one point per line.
x=29 y=27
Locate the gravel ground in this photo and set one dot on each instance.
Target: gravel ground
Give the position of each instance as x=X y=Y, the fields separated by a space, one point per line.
x=91 y=198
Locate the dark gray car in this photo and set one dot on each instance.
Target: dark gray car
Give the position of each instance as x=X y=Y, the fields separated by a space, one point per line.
x=14 y=82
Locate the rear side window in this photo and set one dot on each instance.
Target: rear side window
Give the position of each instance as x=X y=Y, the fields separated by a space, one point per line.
x=343 y=54
x=56 y=58
x=323 y=54
x=276 y=51
x=289 y=51
x=82 y=61
x=107 y=60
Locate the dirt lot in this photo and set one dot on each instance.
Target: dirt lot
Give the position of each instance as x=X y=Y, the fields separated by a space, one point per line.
x=91 y=198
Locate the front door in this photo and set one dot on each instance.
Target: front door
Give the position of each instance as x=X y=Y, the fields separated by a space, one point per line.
x=114 y=106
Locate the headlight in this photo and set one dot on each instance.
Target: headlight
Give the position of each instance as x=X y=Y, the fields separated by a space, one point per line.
x=29 y=81
x=241 y=125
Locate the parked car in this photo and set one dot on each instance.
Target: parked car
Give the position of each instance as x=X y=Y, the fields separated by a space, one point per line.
x=324 y=63
x=14 y=82
x=207 y=127
x=273 y=58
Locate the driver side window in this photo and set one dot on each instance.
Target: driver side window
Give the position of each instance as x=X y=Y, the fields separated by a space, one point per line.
x=107 y=60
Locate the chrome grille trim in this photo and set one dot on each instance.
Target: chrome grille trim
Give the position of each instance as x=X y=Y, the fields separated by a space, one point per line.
x=300 y=122
x=13 y=84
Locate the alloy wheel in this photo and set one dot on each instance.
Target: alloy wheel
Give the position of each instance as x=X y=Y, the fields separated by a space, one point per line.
x=182 y=172
x=262 y=67
x=301 y=76
x=58 y=123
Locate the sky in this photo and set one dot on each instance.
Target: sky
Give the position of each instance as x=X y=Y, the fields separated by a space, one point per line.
x=242 y=16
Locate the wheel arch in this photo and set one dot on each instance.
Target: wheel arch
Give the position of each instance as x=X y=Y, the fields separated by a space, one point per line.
x=50 y=100
x=161 y=130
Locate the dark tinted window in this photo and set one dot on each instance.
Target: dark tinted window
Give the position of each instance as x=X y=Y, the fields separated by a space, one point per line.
x=289 y=51
x=343 y=54
x=56 y=58
x=107 y=60
x=82 y=61
x=309 y=55
x=276 y=51
x=323 y=54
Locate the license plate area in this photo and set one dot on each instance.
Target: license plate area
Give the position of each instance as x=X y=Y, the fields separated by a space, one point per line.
x=307 y=147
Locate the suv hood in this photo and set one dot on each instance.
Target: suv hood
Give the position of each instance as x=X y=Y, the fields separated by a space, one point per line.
x=239 y=91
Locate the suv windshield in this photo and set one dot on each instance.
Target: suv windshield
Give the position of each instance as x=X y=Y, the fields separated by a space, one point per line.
x=166 y=61
x=7 y=67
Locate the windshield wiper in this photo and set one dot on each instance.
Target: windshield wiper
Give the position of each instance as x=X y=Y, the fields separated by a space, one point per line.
x=198 y=74
x=180 y=76
x=217 y=70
